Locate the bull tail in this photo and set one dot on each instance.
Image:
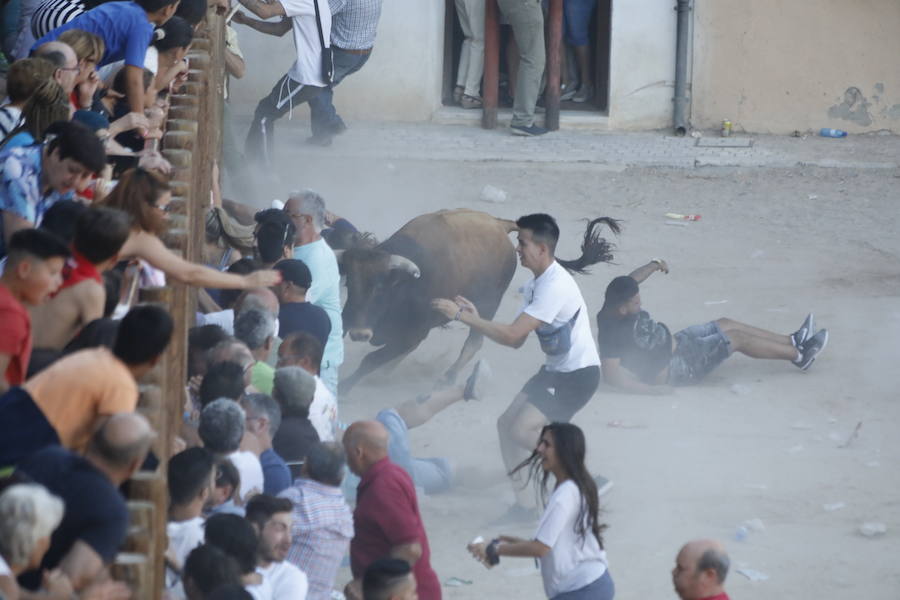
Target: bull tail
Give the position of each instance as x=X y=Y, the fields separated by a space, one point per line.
x=508 y=225
x=594 y=248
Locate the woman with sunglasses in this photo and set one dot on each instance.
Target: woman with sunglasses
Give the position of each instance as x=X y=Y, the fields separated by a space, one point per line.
x=568 y=541
x=145 y=195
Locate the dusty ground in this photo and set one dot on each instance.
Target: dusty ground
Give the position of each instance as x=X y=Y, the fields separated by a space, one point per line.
x=757 y=440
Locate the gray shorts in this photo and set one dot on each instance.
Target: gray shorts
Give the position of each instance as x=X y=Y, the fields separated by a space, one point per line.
x=700 y=349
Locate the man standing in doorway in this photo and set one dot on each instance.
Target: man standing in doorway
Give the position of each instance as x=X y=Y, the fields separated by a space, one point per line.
x=556 y=311
x=309 y=19
x=353 y=27
x=527 y=20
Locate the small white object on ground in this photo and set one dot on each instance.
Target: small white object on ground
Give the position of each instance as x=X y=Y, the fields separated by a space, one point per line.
x=834 y=506
x=755 y=524
x=753 y=574
x=713 y=302
x=490 y=193
x=739 y=389
x=873 y=529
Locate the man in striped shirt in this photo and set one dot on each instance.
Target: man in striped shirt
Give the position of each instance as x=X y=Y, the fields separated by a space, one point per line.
x=353 y=28
x=322 y=522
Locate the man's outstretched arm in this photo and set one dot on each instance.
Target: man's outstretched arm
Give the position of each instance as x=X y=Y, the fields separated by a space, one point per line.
x=615 y=375
x=642 y=273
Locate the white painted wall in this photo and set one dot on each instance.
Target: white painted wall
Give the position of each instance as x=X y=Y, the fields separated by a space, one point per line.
x=401 y=81
x=642 y=68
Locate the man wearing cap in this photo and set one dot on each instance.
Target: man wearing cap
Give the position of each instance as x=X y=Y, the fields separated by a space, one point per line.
x=296 y=314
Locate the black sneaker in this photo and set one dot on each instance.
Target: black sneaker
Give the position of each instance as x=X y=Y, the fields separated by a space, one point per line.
x=603 y=484
x=516 y=515
x=811 y=348
x=322 y=140
x=478 y=381
x=805 y=331
x=530 y=131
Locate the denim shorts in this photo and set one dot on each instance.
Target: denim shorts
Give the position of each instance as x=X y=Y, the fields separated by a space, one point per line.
x=700 y=349
x=577 y=16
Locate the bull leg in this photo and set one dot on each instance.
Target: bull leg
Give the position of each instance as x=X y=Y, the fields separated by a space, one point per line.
x=471 y=347
x=378 y=358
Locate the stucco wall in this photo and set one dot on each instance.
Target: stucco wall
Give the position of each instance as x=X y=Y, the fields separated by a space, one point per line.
x=783 y=65
x=401 y=81
x=642 y=64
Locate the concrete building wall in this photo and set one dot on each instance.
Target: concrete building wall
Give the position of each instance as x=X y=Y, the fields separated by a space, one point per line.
x=642 y=64
x=777 y=66
x=401 y=81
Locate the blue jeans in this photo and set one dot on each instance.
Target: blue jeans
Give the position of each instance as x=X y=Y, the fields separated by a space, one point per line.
x=324 y=119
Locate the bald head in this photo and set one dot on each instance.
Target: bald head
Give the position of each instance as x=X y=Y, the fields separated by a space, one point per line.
x=365 y=442
x=66 y=61
x=700 y=569
x=257 y=298
x=121 y=444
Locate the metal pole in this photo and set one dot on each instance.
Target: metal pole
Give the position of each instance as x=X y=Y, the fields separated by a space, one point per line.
x=491 y=65
x=551 y=95
x=681 y=100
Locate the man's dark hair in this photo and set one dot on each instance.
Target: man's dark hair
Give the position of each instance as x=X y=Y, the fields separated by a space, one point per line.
x=271 y=238
x=325 y=463
x=619 y=291
x=189 y=474
x=209 y=567
x=178 y=33
x=244 y=266
x=294 y=271
x=143 y=334
x=261 y=507
x=100 y=233
x=60 y=219
x=230 y=591
x=73 y=140
x=34 y=243
x=222 y=380
x=192 y=11
x=221 y=426
x=383 y=577
x=266 y=405
x=227 y=474
x=717 y=561
x=304 y=345
x=152 y=6
x=203 y=337
x=119 y=82
x=98 y=333
x=271 y=214
x=236 y=537
x=543 y=228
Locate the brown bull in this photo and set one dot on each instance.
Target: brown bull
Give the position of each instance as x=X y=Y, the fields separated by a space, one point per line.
x=390 y=287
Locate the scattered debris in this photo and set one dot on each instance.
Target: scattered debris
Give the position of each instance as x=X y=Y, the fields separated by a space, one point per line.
x=623 y=425
x=755 y=524
x=753 y=574
x=739 y=389
x=834 y=506
x=680 y=217
x=872 y=529
x=813 y=197
x=713 y=302
x=853 y=436
x=495 y=195
x=457 y=582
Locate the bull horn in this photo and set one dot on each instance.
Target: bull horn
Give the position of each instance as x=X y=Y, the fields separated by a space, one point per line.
x=404 y=264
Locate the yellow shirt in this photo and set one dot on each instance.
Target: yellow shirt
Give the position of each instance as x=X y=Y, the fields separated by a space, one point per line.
x=74 y=392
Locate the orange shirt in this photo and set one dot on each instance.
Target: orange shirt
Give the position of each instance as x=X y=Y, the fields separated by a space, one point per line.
x=78 y=389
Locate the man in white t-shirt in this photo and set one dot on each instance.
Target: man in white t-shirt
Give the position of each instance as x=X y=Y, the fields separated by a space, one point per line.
x=272 y=518
x=311 y=24
x=190 y=478
x=554 y=309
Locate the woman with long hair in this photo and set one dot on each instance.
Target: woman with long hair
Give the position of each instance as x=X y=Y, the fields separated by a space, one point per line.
x=48 y=104
x=568 y=542
x=145 y=195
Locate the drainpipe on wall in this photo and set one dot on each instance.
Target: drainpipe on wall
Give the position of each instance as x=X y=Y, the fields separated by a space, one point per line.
x=683 y=8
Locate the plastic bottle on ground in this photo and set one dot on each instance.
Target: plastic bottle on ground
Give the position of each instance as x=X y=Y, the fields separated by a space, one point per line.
x=833 y=133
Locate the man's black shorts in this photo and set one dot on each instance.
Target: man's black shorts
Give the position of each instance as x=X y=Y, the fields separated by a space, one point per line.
x=560 y=395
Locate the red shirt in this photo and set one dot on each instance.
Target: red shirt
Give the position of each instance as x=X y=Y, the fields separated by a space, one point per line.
x=78 y=269
x=387 y=515
x=15 y=336
x=722 y=596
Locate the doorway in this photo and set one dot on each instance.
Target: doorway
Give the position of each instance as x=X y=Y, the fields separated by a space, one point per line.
x=600 y=36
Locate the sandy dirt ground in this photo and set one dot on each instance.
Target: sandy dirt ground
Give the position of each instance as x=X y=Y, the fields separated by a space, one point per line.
x=757 y=440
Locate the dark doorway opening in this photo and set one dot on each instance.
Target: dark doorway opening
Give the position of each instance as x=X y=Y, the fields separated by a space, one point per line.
x=600 y=36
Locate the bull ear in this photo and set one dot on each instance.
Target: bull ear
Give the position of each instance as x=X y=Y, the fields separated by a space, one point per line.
x=404 y=264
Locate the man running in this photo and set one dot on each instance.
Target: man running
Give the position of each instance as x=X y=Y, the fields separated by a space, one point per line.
x=554 y=309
